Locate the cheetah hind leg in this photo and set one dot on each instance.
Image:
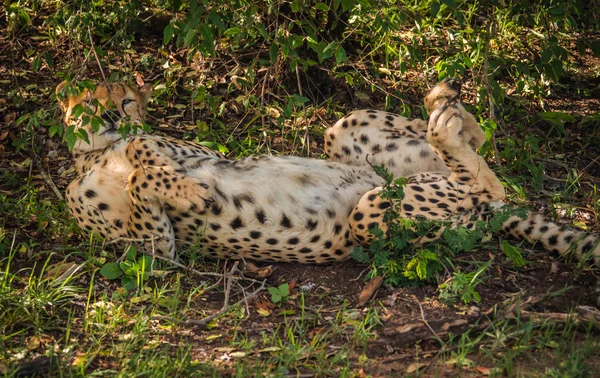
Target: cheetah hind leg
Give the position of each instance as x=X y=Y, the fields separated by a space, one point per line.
x=446 y=137
x=449 y=90
x=154 y=189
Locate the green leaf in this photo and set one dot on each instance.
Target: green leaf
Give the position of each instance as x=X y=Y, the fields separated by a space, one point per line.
x=360 y=255
x=111 y=271
x=232 y=31
x=146 y=263
x=322 y=6
x=299 y=100
x=348 y=4
x=435 y=8
x=513 y=253
x=284 y=290
x=295 y=6
x=275 y=295
x=128 y=268
x=131 y=253
x=216 y=20
x=129 y=282
x=190 y=38
x=340 y=55
x=168 y=34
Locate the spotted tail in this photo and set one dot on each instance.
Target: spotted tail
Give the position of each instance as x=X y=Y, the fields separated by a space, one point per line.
x=555 y=238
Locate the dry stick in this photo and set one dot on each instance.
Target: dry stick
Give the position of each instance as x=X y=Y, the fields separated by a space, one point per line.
x=202 y=274
x=490 y=29
x=306 y=136
x=96 y=55
x=426 y=322
x=226 y=306
x=48 y=180
x=203 y=322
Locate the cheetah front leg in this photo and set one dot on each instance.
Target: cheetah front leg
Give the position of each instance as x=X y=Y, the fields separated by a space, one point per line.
x=152 y=191
x=147 y=151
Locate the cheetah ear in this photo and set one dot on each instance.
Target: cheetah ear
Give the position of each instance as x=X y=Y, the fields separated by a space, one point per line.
x=60 y=97
x=146 y=92
x=454 y=84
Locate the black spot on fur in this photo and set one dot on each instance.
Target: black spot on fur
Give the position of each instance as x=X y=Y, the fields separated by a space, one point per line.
x=260 y=216
x=384 y=205
x=285 y=222
x=311 y=225
x=236 y=223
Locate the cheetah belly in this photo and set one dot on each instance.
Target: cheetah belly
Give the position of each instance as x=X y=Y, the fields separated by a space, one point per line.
x=276 y=209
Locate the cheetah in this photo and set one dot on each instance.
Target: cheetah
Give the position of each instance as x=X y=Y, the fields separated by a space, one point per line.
x=170 y=193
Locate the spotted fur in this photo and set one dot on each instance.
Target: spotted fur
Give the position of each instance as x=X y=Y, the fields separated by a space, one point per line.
x=172 y=193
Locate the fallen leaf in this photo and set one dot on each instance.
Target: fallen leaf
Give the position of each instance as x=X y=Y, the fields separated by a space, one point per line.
x=213 y=337
x=253 y=271
x=33 y=343
x=8 y=118
x=263 y=312
x=488 y=371
x=269 y=349
x=415 y=366
x=139 y=80
x=225 y=349
x=369 y=290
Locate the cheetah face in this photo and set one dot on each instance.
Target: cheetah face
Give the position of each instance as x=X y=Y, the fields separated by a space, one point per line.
x=104 y=110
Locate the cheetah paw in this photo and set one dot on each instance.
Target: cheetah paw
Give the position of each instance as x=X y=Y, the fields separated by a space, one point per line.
x=446 y=126
x=189 y=194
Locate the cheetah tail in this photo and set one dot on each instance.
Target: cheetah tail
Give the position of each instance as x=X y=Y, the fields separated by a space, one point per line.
x=555 y=238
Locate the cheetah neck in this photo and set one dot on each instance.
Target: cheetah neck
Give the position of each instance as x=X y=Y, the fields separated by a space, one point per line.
x=111 y=157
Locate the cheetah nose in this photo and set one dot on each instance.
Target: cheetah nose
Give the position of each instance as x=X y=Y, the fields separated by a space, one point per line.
x=110 y=117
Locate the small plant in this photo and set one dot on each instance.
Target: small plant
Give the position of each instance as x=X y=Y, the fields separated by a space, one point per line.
x=392 y=255
x=462 y=286
x=134 y=271
x=280 y=294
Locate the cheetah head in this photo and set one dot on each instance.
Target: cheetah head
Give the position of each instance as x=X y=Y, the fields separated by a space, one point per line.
x=112 y=104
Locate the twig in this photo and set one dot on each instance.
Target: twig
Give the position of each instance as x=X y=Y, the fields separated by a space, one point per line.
x=226 y=306
x=490 y=29
x=203 y=274
x=48 y=180
x=96 y=55
x=426 y=322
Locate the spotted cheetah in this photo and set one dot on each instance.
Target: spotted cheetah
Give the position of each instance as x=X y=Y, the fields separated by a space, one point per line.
x=170 y=192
